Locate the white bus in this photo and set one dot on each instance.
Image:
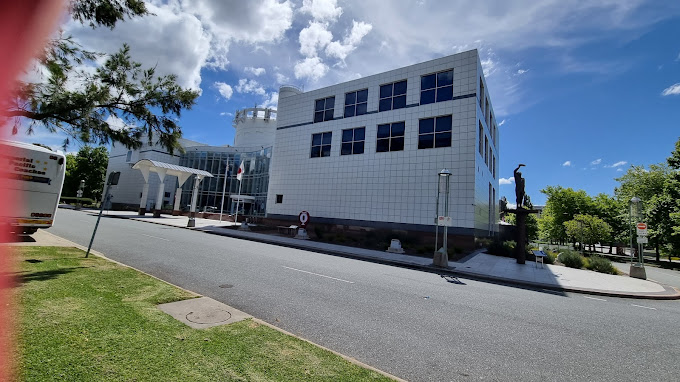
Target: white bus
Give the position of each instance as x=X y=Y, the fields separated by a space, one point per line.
x=35 y=175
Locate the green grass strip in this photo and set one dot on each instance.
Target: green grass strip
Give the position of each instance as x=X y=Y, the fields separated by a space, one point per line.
x=93 y=320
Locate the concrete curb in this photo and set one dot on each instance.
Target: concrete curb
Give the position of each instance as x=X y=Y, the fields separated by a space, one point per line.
x=669 y=294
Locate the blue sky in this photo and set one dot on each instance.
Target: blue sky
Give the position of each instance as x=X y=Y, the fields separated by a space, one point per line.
x=584 y=89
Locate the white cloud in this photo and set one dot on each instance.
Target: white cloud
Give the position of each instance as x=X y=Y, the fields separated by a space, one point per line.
x=678 y=59
x=311 y=67
x=116 y=123
x=322 y=10
x=501 y=123
x=596 y=162
x=225 y=90
x=224 y=113
x=149 y=39
x=618 y=164
x=254 y=71
x=272 y=100
x=281 y=79
x=249 y=86
x=358 y=32
x=503 y=181
x=619 y=169
x=521 y=71
x=314 y=37
x=566 y=164
x=671 y=90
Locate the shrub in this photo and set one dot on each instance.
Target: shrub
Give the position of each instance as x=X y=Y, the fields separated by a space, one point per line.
x=550 y=258
x=602 y=265
x=571 y=259
x=502 y=248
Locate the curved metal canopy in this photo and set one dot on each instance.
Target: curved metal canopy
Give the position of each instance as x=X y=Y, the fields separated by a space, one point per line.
x=171 y=169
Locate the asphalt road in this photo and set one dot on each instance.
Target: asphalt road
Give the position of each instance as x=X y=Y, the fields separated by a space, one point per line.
x=409 y=323
x=655 y=273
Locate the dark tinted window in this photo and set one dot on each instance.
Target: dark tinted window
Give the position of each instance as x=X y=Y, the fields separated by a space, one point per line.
x=353 y=141
x=399 y=102
x=426 y=126
x=445 y=93
x=321 y=145
x=320 y=104
x=383 y=131
x=427 y=97
x=324 y=109
x=362 y=96
x=399 y=88
x=445 y=78
x=386 y=91
x=428 y=82
x=350 y=98
x=385 y=104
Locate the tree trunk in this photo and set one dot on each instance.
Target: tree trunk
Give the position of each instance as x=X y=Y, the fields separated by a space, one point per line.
x=657 y=252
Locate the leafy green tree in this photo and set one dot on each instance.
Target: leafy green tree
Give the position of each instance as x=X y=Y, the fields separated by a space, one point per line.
x=532 y=225
x=88 y=165
x=613 y=213
x=671 y=200
x=588 y=229
x=653 y=188
x=83 y=105
x=562 y=204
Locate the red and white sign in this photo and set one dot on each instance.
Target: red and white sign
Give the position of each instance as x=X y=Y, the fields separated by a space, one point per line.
x=641 y=229
x=445 y=221
x=304 y=218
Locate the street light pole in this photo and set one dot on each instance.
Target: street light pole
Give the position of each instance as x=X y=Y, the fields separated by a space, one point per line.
x=441 y=257
x=637 y=270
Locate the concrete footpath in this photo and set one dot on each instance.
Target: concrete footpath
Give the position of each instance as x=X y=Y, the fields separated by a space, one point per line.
x=478 y=265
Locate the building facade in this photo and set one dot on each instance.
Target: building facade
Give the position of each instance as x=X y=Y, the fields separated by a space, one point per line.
x=255 y=131
x=367 y=152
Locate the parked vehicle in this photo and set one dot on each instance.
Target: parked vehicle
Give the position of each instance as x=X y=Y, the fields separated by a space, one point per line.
x=36 y=175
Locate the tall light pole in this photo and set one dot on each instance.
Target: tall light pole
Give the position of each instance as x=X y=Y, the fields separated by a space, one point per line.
x=441 y=256
x=637 y=269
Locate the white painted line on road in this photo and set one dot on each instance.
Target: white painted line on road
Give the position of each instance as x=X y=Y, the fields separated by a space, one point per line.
x=155 y=237
x=595 y=298
x=646 y=307
x=316 y=274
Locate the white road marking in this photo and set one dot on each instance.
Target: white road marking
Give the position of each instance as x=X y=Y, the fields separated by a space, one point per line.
x=155 y=237
x=595 y=298
x=646 y=307
x=316 y=274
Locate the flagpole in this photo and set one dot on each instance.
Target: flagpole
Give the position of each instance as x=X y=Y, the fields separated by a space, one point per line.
x=224 y=189
x=240 y=182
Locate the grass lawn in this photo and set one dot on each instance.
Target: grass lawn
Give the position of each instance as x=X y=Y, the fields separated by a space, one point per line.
x=93 y=320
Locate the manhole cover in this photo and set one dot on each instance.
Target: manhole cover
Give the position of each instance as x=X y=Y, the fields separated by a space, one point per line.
x=209 y=316
x=226 y=286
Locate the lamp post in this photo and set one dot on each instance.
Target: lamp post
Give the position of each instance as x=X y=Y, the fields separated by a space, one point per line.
x=441 y=256
x=637 y=269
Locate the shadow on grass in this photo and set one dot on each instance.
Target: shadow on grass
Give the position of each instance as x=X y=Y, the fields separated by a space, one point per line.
x=23 y=278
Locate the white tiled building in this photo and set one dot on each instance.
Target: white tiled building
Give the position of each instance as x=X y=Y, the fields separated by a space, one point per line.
x=367 y=152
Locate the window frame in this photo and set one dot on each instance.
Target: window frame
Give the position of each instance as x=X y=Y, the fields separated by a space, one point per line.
x=324 y=111
x=435 y=91
x=435 y=132
x=353 y=143
x=356 y=104
x=321 y=145
x=392 y=96
x=391 y=139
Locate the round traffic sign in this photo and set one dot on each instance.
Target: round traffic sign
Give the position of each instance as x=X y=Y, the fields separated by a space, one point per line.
x=304 y=218
x=641 y=226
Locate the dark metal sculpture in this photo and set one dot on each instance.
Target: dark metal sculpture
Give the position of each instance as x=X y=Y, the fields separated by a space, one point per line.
x=519 y=186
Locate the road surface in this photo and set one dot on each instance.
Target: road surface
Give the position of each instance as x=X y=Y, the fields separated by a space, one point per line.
x=413 y=324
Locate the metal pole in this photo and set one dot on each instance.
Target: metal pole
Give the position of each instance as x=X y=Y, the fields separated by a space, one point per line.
x=224 y=189
x=630 y=225
x=240 y=183
x=446 y=213
x=436 y=217
x=101 y=209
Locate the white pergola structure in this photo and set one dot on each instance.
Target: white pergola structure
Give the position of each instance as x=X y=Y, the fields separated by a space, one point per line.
x=162 y=169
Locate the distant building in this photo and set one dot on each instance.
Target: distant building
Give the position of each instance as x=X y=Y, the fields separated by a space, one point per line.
x=255 y=130
x=367 y=152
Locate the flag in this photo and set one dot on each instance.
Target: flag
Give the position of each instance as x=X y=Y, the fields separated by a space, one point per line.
x=241 y=169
